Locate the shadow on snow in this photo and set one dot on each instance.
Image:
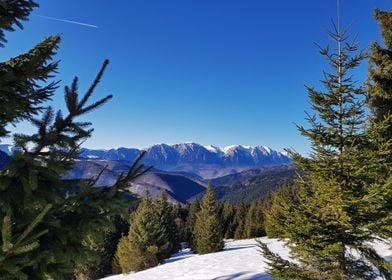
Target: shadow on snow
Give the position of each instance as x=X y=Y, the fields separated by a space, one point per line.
x=234 y=276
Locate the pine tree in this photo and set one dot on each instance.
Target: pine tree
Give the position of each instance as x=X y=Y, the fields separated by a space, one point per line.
x=49 y=226
x=140 y=248
x=380 y=72
x=239 y=221
x=12 y=13
x=194 y=208
x=208 y=236
x=254 y=221
x=379 y=154
x=327 y=221
x=165 y=215
x=23 y=96
x=228 y=214
x=277 y=208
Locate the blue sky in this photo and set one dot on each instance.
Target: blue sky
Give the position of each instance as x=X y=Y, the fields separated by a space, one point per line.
x=215 y=72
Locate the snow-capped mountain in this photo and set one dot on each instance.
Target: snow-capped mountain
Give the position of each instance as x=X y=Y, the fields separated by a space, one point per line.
x=206 y=161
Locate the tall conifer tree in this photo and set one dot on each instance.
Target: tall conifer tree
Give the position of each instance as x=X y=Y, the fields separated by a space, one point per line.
x=278 y=206
x=327 y=224
x=208 y=236
x=164 y=211
x=194 y=208
x=228 y=214
x=140 y=248
x=239 y=220
x=254 y=221
x=379 y=157
x=49 y=226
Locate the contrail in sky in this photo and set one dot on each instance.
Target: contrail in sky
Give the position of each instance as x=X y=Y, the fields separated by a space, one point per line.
x=68 y=21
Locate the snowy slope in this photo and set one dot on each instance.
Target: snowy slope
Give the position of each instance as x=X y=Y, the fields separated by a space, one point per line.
x=239 y=260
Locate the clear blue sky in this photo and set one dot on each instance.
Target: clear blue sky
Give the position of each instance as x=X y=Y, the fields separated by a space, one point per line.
x=215 y=72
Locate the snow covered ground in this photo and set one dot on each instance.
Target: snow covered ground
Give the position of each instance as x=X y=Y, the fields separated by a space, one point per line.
x=239 y=260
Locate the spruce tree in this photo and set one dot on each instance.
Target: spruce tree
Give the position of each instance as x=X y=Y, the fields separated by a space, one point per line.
x=140 y=248
x=380 y=68
x=50 y=227
x=12 y=13
x=239 y=221
x=180 y=214
x=194 y=208
x=164 y=211
x=379 y=153
x=254 y=221
x=228 y=214
x=208 y=236
x=327 y=221
x=277 y=207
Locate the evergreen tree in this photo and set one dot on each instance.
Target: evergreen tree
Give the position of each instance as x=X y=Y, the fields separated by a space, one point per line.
x=327 y=222
x=228 y=214
x=194 y=208
x=12 y=13
x=140 y=248
x=180 y=214
x=379 y=154
x=380 y=76
x=208 y=236
x=254 y=221
x=239 y=221
x=50 y=226
x=277 y=208
x=165 y=215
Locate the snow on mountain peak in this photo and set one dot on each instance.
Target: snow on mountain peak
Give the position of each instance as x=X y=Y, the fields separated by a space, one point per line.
x=229 y=148
x=267 y=149
x=213 y=149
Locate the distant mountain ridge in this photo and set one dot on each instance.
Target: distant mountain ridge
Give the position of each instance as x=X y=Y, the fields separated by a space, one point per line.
x=179 y=188
x=205 y=161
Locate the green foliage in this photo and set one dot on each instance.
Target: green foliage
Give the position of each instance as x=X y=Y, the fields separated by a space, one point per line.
x=164 y=211
x=22 y=95
x=380 y=77
x=180 y=215
x=239 y=221
x=130 y=258
x=255 y=188
x=69 y=237
x=208 y=235
x=277 y=209
x=254 y=221
x=228 y=214
x=194 y=208
x=378 y=162
x=279 y=267
x=151 y=237
x=14 y=249
x=327 y=219
x=12 y=13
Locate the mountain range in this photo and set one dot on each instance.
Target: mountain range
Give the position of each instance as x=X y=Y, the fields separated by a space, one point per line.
x=238 y=173
x=205 y=161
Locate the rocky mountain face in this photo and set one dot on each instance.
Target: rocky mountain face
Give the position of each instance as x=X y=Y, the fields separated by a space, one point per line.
x=205 y=161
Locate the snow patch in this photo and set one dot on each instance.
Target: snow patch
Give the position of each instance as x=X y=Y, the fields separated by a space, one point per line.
x=239 y=260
